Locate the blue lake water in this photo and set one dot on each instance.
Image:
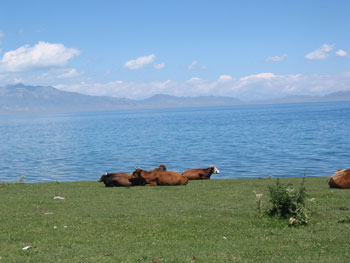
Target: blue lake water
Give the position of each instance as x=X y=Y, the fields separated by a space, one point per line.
x=242 y=141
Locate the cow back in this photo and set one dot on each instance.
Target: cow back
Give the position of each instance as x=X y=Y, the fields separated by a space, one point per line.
x=341 y=179
x=116 y=179
x=169 y=178
x=197 y=174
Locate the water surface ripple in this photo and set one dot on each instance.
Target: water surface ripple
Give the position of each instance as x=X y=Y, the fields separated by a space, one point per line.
x=242 y=141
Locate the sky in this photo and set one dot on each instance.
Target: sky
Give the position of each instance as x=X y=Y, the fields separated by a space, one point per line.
x=249 y=50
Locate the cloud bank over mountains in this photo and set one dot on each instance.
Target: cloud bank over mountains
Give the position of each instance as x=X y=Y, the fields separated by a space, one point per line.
x=52 y=61
x=252 y=87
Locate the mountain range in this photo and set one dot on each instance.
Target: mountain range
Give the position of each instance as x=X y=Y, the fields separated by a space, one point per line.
x=20 y=98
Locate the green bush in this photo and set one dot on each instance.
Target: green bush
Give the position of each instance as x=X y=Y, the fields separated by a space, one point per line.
x=288 y=202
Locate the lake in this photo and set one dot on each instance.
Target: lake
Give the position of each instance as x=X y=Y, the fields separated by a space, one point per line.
x=247 y=141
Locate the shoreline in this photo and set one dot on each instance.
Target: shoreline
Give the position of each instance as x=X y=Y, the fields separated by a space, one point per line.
x=212 y=179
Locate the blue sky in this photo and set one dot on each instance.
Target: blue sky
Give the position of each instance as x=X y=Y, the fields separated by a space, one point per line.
x=135 y=49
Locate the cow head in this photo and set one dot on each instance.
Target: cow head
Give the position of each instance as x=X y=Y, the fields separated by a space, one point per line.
x=102 y=178
x=136 y=174
x=214 y=170
x=136 y=178
x=162 y=167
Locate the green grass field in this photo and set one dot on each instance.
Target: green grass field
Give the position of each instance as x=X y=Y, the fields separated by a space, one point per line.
x=205 y=221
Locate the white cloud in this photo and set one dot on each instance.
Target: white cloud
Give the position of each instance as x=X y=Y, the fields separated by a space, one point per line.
x=192 y=65
x=193 y=80
x=2 y=34
x=41 y=56
x=277 y=58
x=341 y=53
x=159 y=66
x=140 y=62
x=320 y=53
x=70 y=73
x=225 y=78
x=258 y=76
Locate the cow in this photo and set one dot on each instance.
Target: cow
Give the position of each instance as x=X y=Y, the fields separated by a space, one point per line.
x=123 y=179
x=154 y=178
x=341 y=179
x=117 y=179
x=161 y=167
x=200 y=174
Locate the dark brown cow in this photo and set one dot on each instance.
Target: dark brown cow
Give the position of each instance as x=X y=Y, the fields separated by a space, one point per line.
x=153 y=178
x=341 y=179
x=200 y=174
x=116 y=179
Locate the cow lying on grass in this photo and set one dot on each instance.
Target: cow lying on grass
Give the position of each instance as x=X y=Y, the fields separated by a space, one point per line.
x=123 y=179
x=116 y=179
x=341 y=179
x=153 y=178
x=200 y=174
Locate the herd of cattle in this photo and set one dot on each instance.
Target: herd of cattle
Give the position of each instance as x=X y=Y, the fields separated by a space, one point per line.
x=158 y=176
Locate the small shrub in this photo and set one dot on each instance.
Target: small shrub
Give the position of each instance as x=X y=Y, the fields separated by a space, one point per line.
x=288 y=202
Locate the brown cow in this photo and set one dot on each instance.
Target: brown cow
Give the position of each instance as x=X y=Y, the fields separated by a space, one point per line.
x=161 y=167
x=123 y=179
x=200 y=174
x=153 y=178
x=341 y=179
x=116 y=179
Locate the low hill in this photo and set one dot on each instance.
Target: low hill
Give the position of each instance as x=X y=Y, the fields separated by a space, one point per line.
x=38 y=99
x=21 y=99
x=35 y=99
x=336 y=96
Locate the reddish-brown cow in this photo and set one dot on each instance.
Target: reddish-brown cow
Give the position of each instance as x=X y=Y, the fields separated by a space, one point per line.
x=153 y=178
x=200 y=174
x=341 y=179
x=161 y=167
x=123 y=179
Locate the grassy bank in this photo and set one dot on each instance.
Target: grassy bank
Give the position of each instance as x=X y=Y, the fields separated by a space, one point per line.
x=205 y=221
